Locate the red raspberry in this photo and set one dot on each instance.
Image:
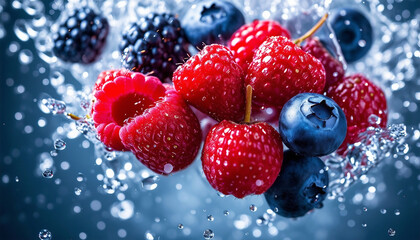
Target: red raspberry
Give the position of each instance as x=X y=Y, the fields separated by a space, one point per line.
x=213 y=82
x=359 y=98
x=166 y=137
x=280 y=70
x=242 y=159
x=119 y=97
x=245 y=41
x=333 y=68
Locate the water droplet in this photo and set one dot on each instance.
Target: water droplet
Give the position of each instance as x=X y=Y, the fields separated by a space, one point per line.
x=80 y=177
x=21 y=30
x=16 y=179
x=208 y=234
x=391 y=232
x=261 y=221
x=77 y=191
x=365 y=209
x=226 y=212
x=397 y=212
x=33 y=7
x=56 y=79
x=402 y=149
x=364 y=225
x=180 y=226
x=109 y=188
x=53 y=153
x=167 y=168
x=253 y=208
x=25 y=57
x=59 y=144
x=210 y=218
x=51 y=105
x=150 y=183
x=48 y=173
x=123 y=210
x=110 y=155
x=383 y=211
x=44 y=234
x=374 y=120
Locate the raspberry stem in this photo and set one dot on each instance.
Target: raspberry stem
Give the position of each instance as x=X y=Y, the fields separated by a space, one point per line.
x=248 y=104
x=74 y=117
x=312 y=30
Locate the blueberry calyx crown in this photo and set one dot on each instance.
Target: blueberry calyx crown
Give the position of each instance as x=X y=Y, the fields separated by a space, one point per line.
x=320 y=112
x=313 y=193
x=211 y=14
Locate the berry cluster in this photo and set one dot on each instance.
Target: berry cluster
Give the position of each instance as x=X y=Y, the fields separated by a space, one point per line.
x=319 y=110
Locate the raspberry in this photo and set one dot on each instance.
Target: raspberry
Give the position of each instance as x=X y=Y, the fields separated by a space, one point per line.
x=165 y=138
x=121 y=98
x=334 y=70
x=358 y=98
x=154 y=45
x=245 y=41
x=242 y=159
x=81 y=36
x=212 y=82
x=280 y=70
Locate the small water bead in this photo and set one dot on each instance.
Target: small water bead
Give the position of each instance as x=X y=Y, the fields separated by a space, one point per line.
x=51 y=105
x=53 y=153
x=26 y=57
x=77 y=191
x=226 y=212
x=123 y=210
x=48 y=173
x=80 y=177
x=261 y=221
x=44 y=234
x=364 y=225
x=397 y=212
x=402 y=149
x=365 y=209
x=16 y=179
x=391 y=232
x=253 y=208
x=59 y=144
x=208 y=234
x=210 y=218
x=383 y=211
x=180 y=226
x=150 y=183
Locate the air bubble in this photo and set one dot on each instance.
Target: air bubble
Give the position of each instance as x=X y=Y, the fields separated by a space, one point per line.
x=80 y=177
x=59 y=144
x=25 y=57
x=391 y=232
x=208 y=234
x=397 y=212
x=123 y=210
x=226 y=212
x=77 y=191
x=383 y=211
x=51 y=105
x=48 y=173
x=180 y=226
x=253 y=208
x=402 y=149
x=150 y=183
x=44 y=234
x=210 y=218
x=261 y=221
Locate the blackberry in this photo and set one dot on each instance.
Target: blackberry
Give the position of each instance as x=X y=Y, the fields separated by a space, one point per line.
x=154 y=45
x=81 y=36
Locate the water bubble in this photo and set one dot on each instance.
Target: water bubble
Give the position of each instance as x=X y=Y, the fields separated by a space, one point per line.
x=391 y=232
x=109 y=188
x=397 y=212
x=80 y=177
x=402 y=149
x=16 y=179
x=44 y=234
x=210 y=218
x=365 y=209
x=59 y=144
x=374 y=120
x=364 y=225
x=208 y=234
x=77 y=191
x=26 y=57
x=383 y=211
x=57 y=78
x=33 y=7
x=226 y=212
x=261 y=221
x=21 y=30
x=167 y=168
x=149 y=236
x=110 y=155
x=150 y=183
x=253 y=208
x=180 y=226
x=123 y=210
x=51 y=105
x=53 y=153
x=48 y=173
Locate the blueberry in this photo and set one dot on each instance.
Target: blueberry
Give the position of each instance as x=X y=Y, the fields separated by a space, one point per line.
x=354 y=33
x=300 y=187
x=312 y=124
x=211 y=21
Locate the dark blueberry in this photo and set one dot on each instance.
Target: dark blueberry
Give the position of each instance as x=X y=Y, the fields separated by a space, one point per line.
x=211 y=21
x=300 y=187
x=312 y=124
x=81 y=36
x=354 y=33
x=154 y=45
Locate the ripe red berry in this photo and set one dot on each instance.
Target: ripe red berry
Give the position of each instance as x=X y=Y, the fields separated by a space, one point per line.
x=242 y=159
x=358 y=98
x=165 y=138
x=280 y=70
x=333 y=68
x=213 y=82
x=245 y=41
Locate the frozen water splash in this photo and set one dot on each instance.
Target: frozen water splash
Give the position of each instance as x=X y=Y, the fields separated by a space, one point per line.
x=375 y=145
